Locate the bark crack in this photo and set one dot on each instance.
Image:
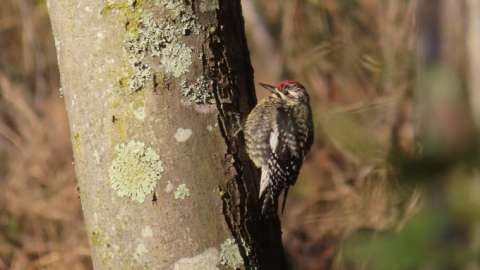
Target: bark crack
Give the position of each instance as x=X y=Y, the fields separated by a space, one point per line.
x=259 y=240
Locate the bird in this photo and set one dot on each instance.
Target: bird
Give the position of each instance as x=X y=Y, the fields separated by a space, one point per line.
x=278 y=135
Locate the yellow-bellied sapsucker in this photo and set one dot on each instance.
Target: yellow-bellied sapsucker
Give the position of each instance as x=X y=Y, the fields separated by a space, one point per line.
x=278 y=134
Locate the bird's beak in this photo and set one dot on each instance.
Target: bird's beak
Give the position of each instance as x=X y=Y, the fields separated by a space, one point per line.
x=270 y=88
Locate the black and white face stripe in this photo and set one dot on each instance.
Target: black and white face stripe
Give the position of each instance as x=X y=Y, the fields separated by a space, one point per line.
x=295 y=93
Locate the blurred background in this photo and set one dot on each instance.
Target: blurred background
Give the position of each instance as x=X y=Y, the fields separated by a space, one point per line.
x=392 y=181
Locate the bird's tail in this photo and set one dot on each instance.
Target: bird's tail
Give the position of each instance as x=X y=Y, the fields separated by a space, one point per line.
x=270 y=202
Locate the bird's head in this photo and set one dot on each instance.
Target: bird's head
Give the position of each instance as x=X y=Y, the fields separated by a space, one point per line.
x=288 y=90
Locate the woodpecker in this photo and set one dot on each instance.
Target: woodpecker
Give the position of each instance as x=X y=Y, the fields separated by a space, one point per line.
x=278 y=135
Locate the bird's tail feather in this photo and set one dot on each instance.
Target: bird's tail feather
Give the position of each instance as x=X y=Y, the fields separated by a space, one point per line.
x=270 y=202
x=263 y=181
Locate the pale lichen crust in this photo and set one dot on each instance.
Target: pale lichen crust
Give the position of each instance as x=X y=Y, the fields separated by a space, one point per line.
x=181 y=192
x=230 y=254
x=147 y=232
x=154 y=43
x=156 y=35
x=176 y=58
x=76 y=142
x=141 y=74
x=135 y=170
x=183 y=134
x=206 y=260
x=199 y=92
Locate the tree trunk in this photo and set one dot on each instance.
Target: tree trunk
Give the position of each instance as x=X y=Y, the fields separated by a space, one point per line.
x=473 y=43
x=156 y=92
x=444 y=124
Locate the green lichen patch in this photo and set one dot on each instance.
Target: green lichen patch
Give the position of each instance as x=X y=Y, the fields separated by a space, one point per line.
x=111 y=6
x=135 y=170
x=148 y=38
x=199 y=92
x=100 y=242
x=160 y=39
x=96 y=239
x=135 y=44
x=176 y=58
x=76 y=141
x=230 y=254
x=130 y=9
x=181 y=192
x=154 y=35
x=141 y=74
x=182 y=19
x=134 y=41
x=118 y=131
x=126 y=113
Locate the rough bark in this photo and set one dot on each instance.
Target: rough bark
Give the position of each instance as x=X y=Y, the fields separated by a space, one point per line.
x=156 y=92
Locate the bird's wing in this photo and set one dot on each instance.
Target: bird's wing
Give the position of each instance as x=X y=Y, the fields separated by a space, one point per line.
x=257 y=134
x=283 y=164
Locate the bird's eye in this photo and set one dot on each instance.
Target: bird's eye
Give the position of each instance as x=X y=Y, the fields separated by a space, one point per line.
x=292 y=95
x=292 y=89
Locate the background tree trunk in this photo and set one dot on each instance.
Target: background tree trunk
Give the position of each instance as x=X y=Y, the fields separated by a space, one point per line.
x=156 y=92
x=442 y=93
